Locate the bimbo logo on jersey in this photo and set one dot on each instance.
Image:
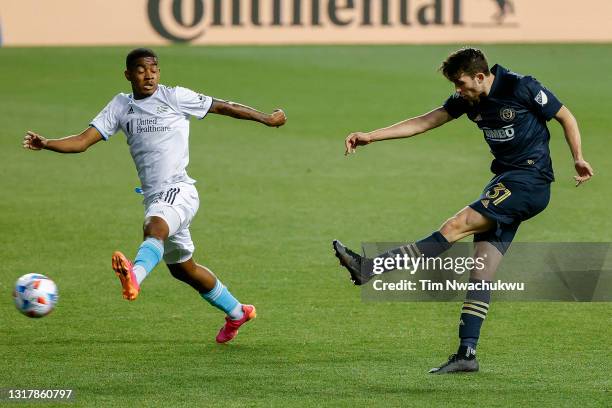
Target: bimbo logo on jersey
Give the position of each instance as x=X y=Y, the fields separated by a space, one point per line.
x=499 y=135
x=186 y=20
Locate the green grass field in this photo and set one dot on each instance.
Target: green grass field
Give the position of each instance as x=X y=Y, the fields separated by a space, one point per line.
x=271 y=202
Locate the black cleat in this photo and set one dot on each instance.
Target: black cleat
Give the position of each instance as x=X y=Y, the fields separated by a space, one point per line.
x=462 y=362
x=358 y=266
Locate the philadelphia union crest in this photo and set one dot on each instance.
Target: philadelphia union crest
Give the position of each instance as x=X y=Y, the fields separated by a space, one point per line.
x=507 y=114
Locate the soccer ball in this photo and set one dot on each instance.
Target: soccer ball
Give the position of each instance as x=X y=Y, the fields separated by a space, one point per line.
x=35 y=295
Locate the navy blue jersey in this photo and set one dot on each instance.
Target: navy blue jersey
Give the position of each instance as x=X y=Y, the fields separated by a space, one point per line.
x=513 y=119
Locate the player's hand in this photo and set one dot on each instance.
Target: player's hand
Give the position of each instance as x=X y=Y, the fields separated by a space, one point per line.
x=34 y=141
x=276 y=118
x=584 y=170
x=356 y=139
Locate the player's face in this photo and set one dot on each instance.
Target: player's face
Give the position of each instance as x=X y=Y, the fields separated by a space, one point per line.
x=144 y=77
x=470 y=88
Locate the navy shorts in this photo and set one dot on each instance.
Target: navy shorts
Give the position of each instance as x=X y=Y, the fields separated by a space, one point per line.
x=509 y=199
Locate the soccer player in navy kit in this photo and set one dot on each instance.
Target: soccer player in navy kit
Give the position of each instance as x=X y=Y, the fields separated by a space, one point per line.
x=512 y=111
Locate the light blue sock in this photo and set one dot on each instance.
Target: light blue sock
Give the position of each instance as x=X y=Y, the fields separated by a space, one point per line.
x=149 y=255
x=222 y=299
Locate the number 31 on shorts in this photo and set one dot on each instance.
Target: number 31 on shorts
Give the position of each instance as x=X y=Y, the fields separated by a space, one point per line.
x=498 y=193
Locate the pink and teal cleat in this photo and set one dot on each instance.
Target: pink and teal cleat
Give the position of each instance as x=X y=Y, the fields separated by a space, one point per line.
x=230 y=328
x=124 y=270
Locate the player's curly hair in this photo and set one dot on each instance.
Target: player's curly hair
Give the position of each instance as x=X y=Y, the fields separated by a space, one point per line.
x=466 y=61
x=135 y=54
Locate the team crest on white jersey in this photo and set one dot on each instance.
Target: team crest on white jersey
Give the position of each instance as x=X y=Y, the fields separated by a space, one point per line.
x=131 y=111
x=507 y=114
x=161 y=109
x=541 y=98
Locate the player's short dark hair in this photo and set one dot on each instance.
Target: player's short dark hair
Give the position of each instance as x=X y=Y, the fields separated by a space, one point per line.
x=136 y=54
x=466 y=61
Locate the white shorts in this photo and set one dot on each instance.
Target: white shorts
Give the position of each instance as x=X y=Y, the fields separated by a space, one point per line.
x=177 y=204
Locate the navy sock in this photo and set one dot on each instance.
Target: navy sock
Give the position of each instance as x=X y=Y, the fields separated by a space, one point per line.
x=428 y=247
x=473 y=313
x=433 y=245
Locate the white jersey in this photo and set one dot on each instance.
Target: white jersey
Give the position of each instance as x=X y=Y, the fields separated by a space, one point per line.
x=157 y=131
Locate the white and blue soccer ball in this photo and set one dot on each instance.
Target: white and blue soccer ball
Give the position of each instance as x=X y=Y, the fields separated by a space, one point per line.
x=35 y=295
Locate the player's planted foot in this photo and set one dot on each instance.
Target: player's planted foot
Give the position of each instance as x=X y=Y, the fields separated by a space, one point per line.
x=358 y=266
x=464 y=361
x=230 y=328
x=124 y=270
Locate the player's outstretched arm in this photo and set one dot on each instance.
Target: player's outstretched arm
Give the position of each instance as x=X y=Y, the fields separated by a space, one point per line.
x=235 y=110
x=69 y=144
x=572 y=136
x=407 y=128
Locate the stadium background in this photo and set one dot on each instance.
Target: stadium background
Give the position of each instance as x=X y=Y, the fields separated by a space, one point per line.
x=272 y=200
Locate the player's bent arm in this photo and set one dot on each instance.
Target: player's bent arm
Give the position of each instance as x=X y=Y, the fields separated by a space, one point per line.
x=239 y=111
x=407 y=128
x=571 y=131
x=572 y=136
x=69 y=144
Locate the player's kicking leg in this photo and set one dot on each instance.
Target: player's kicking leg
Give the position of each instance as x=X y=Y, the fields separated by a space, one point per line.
x=148 y=256
x=465 y=222
x=214 y=292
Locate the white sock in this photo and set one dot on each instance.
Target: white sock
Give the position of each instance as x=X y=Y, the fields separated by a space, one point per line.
x=140 y=273
x=236 y=313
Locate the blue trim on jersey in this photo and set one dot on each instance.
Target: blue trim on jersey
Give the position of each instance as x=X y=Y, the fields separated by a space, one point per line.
x=104 y=136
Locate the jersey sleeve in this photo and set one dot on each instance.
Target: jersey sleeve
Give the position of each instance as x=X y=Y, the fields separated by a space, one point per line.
x=192 y=103
x=538 y=99
x=455 y=105
x=107 y=121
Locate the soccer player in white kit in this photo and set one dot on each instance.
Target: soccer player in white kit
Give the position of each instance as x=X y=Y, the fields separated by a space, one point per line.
x=155 y=120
